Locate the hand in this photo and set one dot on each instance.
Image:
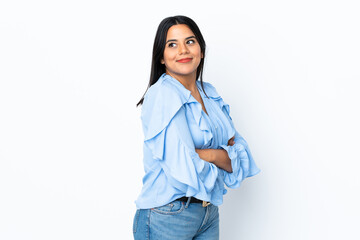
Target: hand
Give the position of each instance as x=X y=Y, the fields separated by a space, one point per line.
x=231 y=141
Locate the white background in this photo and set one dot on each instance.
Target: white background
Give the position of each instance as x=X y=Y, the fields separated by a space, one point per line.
x=71 y=73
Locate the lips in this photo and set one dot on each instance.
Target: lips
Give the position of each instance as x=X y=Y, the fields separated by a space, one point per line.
x=184 y=60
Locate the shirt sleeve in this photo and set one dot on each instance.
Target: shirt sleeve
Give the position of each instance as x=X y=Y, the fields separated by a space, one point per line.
x=170 y=141
x=242 y=162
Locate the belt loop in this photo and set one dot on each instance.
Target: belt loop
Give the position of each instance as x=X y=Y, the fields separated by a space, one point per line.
x=187 y=203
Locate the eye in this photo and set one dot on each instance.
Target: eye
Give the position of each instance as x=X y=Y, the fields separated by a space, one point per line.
x=171 y=44
x=191 y=41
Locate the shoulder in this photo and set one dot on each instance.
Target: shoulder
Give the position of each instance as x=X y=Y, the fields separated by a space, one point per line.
x=161 y=103
x=166 y=88
x=214 y=95
x=210 y=90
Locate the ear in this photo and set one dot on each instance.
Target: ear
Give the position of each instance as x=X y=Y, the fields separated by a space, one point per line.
x=202 y=55
x=162 y=61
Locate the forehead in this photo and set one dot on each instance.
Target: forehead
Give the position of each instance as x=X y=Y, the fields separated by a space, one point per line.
x=179 y=31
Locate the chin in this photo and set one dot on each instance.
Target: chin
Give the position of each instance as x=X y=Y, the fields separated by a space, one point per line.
x=186 y=71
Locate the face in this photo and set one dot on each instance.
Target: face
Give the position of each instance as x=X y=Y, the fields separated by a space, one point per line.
x=182 y=54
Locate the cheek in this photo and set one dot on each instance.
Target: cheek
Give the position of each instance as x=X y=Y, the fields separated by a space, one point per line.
x=169 y=55
x=198 y=52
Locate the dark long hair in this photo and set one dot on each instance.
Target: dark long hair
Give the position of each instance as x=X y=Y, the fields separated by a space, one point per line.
x=157 y=69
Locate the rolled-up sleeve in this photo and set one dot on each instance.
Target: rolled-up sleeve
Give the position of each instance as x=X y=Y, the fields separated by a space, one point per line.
x=242 y=162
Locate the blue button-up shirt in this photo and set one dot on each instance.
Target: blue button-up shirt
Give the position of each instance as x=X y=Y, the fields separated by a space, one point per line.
x=174 y=124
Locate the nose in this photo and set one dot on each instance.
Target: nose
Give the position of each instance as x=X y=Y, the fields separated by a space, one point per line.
x=183 y=49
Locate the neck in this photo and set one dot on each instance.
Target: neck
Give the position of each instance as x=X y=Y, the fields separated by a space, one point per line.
x=188 y=81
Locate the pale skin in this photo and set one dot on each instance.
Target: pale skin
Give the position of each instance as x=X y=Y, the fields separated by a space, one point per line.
x=180 y=44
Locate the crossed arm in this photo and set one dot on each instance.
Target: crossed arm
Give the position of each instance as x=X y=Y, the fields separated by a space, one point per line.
x=219 y=157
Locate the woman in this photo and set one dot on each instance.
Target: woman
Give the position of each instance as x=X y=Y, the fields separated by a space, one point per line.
x=191 y=148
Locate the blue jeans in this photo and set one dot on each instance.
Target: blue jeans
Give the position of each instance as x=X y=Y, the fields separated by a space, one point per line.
x=177 y=221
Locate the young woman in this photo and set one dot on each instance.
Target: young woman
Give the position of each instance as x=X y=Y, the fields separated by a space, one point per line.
x=191 y=147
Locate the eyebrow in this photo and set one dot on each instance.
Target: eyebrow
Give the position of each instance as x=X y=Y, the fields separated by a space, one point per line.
x=174 y=40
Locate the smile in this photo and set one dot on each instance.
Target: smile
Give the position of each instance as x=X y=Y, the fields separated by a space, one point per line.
x=185 y=60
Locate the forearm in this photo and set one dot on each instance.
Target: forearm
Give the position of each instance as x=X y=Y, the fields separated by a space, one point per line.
x=219 y=157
